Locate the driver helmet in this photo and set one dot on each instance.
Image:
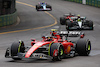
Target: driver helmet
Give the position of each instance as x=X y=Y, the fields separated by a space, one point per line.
x=43 y=2
x=48 y=38
x=78 y=16
x=79 y=19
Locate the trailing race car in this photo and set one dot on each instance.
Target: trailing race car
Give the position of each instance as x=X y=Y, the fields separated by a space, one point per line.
x=55 y=47
x=43 y=7
x=65 y=18
x=79 y=23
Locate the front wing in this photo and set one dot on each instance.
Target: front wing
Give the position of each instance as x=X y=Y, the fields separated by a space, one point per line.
x=36 y=56
x=47 y=9
x=80 y=28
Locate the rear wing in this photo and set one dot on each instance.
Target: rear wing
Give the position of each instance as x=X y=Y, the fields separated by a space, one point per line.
x=71 y=33
x=75 y=18
x=69 y=15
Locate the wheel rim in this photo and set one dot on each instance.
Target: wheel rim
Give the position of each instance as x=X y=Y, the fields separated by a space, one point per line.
x=89 y=48
x=61 y=51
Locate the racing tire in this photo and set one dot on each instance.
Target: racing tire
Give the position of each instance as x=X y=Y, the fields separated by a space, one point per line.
x=59 y=47
x=7 y=52
x=83 y=47
x=91 y=25
x=49 y=6
x=38 y=7
x=69 y=24
x=67 y=21
x=16 y=47
x=62 y=21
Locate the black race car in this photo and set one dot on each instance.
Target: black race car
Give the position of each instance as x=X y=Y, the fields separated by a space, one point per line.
x=79 y=24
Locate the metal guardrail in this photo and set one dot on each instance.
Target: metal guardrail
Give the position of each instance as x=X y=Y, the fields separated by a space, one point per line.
x=9 y=19
x=95 y=3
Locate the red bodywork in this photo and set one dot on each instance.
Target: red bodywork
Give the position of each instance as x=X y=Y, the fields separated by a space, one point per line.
x=56 y=39
x=69 y=18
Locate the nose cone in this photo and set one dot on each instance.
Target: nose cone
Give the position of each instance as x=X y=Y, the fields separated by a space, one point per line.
x=80 y=24
x=44 y=7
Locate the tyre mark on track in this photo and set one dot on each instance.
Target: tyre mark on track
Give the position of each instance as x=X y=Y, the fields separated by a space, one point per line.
x=32 y=28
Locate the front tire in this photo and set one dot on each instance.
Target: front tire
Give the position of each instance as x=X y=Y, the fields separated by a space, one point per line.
x=59 y=48
x=38 y=7
x=17 y=47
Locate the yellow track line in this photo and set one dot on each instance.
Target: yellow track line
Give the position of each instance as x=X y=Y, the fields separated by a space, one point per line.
x=32 y=28
x=25 y=4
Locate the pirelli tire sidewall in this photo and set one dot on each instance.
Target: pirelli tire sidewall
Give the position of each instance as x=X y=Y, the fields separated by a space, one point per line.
x=82 y=47
x=48 y=6
x=69 y=25
x=17 y=47
x=8 y=51
x=62 y=21
x=38 y=7
x=55 y=46
x=91 y=24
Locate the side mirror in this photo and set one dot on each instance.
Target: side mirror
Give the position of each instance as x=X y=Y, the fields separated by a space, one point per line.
x=50 y=32
x=43 y=37
x=32 y=39
x=82 y=36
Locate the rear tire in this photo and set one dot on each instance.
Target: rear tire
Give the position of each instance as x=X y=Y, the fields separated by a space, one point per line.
x=62 y=21
x=69 y=24
x=91 y=25
x=49 y=6
x=38 y=7
x=83 y=47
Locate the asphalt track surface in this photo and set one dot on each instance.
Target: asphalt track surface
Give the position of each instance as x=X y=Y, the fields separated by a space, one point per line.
x=33 y=23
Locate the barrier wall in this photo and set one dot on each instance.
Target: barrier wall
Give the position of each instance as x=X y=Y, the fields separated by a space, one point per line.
x=78 y=1
x=9 y=19
x=95 y=3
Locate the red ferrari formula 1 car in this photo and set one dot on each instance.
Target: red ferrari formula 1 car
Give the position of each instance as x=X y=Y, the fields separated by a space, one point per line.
x=54 y=47
x=65 y=18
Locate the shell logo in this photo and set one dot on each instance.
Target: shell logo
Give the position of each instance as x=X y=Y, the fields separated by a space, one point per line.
x=68 y=48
